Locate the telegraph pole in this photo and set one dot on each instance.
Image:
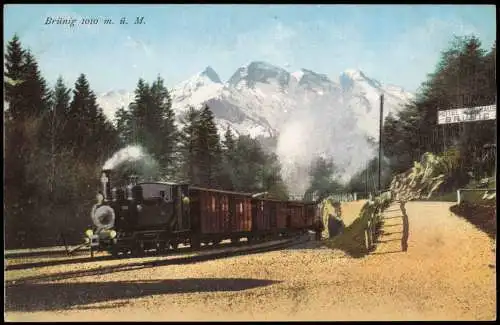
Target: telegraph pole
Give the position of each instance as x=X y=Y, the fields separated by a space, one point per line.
x=380 y=142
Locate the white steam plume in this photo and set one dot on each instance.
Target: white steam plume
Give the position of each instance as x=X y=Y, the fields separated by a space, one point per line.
x=133 y=160
x=127 y=154
x=328 y=129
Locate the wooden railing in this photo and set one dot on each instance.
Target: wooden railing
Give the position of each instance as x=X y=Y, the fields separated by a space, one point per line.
x=371 y=213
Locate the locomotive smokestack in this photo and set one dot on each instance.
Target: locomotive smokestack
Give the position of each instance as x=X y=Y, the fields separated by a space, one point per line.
x=106 y=184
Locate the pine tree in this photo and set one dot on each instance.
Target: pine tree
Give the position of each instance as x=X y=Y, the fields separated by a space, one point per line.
x=162 y=126
x=59 y=114
x=322 y=173
x=227 y=178
x=464 y=77
x=229 y=143
x=188 y=148
x=14 y=74
x=54 y=124
x=77 y=129
x=14 y=133
x=210 y=152
x=273 y=183
x=249 y=161
x=123 y=119
x=29 y=100
x=36 y=95
x=139 y=111
x=91 y=135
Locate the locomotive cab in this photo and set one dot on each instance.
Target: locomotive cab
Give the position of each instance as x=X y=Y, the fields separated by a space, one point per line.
x=162 y=205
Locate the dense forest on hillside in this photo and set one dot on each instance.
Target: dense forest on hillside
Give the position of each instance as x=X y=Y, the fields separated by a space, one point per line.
x=57 y=140
x=465 y=76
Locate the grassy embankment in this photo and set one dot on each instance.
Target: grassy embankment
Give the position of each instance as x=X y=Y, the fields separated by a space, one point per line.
x=352 y=240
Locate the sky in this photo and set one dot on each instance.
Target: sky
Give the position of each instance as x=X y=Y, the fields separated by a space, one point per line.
x=395 y=44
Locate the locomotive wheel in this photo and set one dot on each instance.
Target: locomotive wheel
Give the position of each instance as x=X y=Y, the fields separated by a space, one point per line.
x=215 y=242
x=174 y=245
x=115 y=252
x=195 y=243
x=138 y=250
x=161 y=247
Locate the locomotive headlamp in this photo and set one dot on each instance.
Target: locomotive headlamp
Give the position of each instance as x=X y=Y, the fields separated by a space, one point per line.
x=112 y=234
x=99 y=197
x=185 y=200
x=89 y=233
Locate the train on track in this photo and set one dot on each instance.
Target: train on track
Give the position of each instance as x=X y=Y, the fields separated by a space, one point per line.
x=159 y=216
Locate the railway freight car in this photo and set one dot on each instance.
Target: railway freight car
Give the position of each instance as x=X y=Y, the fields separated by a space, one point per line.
x=218 y=215
x=159 y=216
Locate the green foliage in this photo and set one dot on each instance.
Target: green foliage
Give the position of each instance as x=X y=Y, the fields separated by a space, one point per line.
x=352 y=239
x=209 y=153
x=464 y=77
x=366 y=181
x=149 y=121
x=58 y=140
x=87 y=127
x=479 y=197
x=421 y=180
x=189 y=170
x=55 y=144
x=323 y=182
x=247 y=167
x=426 y=157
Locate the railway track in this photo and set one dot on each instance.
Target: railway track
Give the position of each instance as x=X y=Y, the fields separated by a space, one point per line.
x=194 y=257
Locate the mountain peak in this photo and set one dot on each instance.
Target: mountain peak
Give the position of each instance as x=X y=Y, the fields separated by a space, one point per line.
x=210 y=73
x=349 y=76
x=259 y=71
x=354 y=74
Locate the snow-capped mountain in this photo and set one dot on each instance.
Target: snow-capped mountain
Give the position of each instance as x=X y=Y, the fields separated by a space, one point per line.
x=309 y=113
x=111 y=101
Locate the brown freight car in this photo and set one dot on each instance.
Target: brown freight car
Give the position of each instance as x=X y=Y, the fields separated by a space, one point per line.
x=296 y=211
x=269 y=218
x=311 y=214
x=277 y=217
x=218 y=215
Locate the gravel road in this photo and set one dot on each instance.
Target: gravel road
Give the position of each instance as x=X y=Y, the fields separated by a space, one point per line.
x=446 y=274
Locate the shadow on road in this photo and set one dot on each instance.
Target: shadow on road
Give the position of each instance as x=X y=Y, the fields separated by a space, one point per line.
x=385 y=233
x=351 y=241
x=57 y=296
x=178 y=252
x=387 y=229
x=58 y=262
x=396 y=217
x=45 y=253
x=482 y=217
x=392 y=225
x=383 y=253
x=127 y=266
x=388 y=240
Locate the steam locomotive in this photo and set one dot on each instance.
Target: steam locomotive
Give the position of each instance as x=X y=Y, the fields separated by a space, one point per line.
x=158 y=216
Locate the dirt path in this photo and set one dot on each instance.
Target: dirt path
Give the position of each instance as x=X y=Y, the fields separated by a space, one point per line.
x=444 y=275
